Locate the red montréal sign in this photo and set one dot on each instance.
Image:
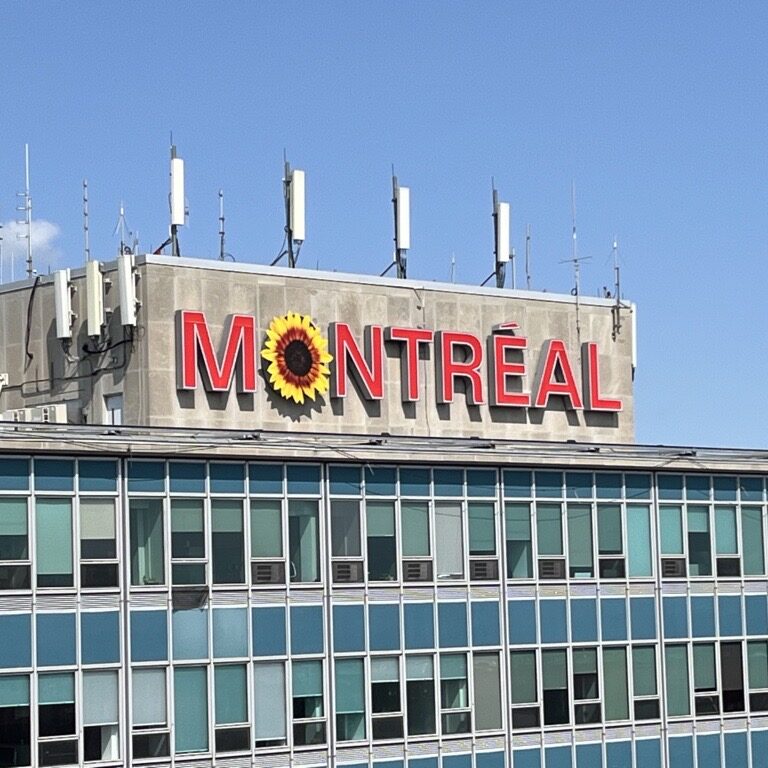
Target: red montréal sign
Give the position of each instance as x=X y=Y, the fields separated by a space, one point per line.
x=493 y=372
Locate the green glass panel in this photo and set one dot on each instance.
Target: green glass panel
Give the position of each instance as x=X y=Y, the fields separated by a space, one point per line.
x=54 y=537
x=226 y=516
x=580 y=560
x=644 y=670
x=350 y=696
x=14 y=691
x=676 y=665
x=671 y=529
x=303 y=540
x=231 y=694
x=146 y=516
x=266 y=528
x=518 y=533
x=554 y=670
x=345 y=527
x=549 y=529
x=523 y=677
x=482 y=529
x=752 y=540
x=453 y=666
x=609 y=529
x=757 y=655
x=704 y=667
x=725 y=531
x=698 y=519
x=13 y=517
x=56 y=689
x=186 y=515
x=584 y=661
x=190 y=689
x=639 y=540
x=307 y=678
x=380 y=518
x=615 y=684
x=415 y=523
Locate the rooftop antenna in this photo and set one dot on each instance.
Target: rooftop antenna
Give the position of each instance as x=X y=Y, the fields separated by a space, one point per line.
x=122 y=227
x=221 y=225
x=576 y=261
x=177 y=204
x=453 y=267
x=501 y=250
x=401 y=207
x=528 y=256
x=294 y=193
x=26 y=208
x=617 y=306
x=86 y=238
x=1 y=255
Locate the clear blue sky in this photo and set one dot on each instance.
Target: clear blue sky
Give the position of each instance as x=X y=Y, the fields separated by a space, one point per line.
x=657 y=111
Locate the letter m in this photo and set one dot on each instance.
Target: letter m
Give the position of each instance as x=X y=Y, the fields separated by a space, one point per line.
x=195 y=352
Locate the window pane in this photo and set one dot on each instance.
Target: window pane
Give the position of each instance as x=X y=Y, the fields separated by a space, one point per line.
x=14 y=691
x=415 y=522
x=752 y=540
x=187 y=532
x=615 y=679
x=269 y=701
x=549 y=529
x=97 y=529
x=609 y=529
x=266 y=528
x=54 y=542
x=100 y=698
x=519 y=556
x=307 y=678
x=699 y=545
x=671 y=530
x=482 y=533
x=56 y=689
x=303 y=541
x=757 y=655
x=231 y=695
x=345 y=528
x=190 y=690
x=146 y=517
x=14 y=543
x=676 y=664
x=644 y=670
x=227 y=541
x=704 y=667
x=149 y=697
x=382 y=555
x=580 y=561
x=350 y=696
x=448 y=535
x=523 y=677
x=725 y=531
x=385 y=670
x=639 y=540
x=487 y=691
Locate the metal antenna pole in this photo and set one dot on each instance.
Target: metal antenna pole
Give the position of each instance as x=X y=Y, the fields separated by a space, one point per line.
x=287 y=195
x=617 y=290
x=528 y=256
x=174 y=228
x=221 y=225
x=26 y=208
x=86 y=238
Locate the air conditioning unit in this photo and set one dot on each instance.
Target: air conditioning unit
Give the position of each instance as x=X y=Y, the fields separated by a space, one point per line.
x=551 y=569
x=483 y=570
x=672 y=568
x=347 y=571
x=18 y=414
x=50 y=414
x=268 y=572
x=417 y=570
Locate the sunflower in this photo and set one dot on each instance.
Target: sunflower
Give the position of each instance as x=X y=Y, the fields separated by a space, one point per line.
x=298 y=357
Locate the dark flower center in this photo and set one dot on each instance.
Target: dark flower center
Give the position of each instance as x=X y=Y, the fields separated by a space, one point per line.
x=298 y=359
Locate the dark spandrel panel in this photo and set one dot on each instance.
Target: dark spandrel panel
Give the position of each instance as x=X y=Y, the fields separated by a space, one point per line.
x=265 y=478
x=345 y=480
x=578 y=485
x=549 y=485
x=751 y=488
x=380 y=481
x=97 y=476
x=54 y=475
x=637 y=486
x=186 y=477
x=697 y=487
x=481 y=483
x=449 y=482
x=608 y=485
x=670 y=486
x=303 y=479
x=517 y=483
x=58 y=752
x=150 y=745
x=414 y=481
x=14 y=474
x=146 y=477
x=15 y=577
x=726 y=488
x=227 y=478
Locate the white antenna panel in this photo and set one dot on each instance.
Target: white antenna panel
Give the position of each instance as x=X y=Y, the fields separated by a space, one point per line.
x=127 y=285
x=63 y=301
x=94 y=288
x=178 y=207
x=502 y=232
x=403 y=218
x=298 y=210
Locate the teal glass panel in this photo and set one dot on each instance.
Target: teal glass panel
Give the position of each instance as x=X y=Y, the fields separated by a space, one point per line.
x=729 y=615
x=757 y=614
x=648 y=753
x=526 y=758
x=643 y=618
x=14 y=538
x=671 y=525
x=147 y=558
x=759 y=741
x=549 y=529
x=580 y=559
x=557 y=757
x=350 y=696
x=708 y=750
x=481 y=483
x=553 y=621
x=419 y=625
x=190 y=687
x=54 y=542
x=149 y=636
x=589 y=756
x=14 y=474
x=345 y=480
x=227 y=478
x=751 y=488
x=608 y=485
x=449 y=482
x=670 y=487
x=16 y=645
x=518 y=533
x=100 y=637
x=56 y=688
x=14 y=691
x=639 y=540
x=753 y=542
x=618 y=754
x=637 y=486
x=230 y=687
x=725 y=488
x=307 y=629
x=578 y=485
x=303 y=540
x=146 y=477
x=613 y=618
x=307 y=678
x=268 y=631
x=348 y=628
x=303 y=479
x=644 y=670
x=609 y=534
x=265 y=478
x=522 y=673
x=384 y=627
x=56 y=639
x=704 y=678
x=485 y=622
x=697 y=487
x=702 y=616
x=517 y=483
x=54 y=475
x=99 y=476
x=186 y=476
x=735 y=750
x=421 y=762
x=380 y=481
x=414 y=481
x=522 y=622
x=725 y=531
x=266 y=528
x=678 y=688
x=675 y=617
x=549 y=485
x=489 y=760
x=415 y=528
x=452 y=761
x=681 y=752
x=230 y=633
x=482 y=528
x=452 y=624
x=583 y=620
x=757 y=657
x=190 y=634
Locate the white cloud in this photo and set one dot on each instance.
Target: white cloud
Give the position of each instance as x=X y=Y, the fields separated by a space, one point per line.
x=45 y=250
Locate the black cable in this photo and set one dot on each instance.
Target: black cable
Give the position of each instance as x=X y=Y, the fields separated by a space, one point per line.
x=30 y=356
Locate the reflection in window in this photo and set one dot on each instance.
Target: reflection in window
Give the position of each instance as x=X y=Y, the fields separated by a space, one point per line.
x=303 y=540
x=382 y=554
x=187 y=541
x=146 y=519
x=448 y=538
x=227 y=541
x=14 y=544
x=518 y=532
x=54 y=542
x=420 y=694
x=350 y=700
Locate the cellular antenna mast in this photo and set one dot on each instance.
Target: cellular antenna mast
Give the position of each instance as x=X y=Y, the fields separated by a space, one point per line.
x=221 y=225
x=501 y=250
x=176 y=200
x=86 y=236
x=401 y=207
x=122 y=227
x=528 y=256
x=576 y=261
x=617 y=306
x=26 y=208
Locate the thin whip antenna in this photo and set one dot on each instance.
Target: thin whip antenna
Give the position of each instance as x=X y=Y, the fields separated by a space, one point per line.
x=453 y=267
x=221 y=225
x=617 y=289
x=576 y=261
x=26 y=208
x=528 y=256
x=86 y=237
